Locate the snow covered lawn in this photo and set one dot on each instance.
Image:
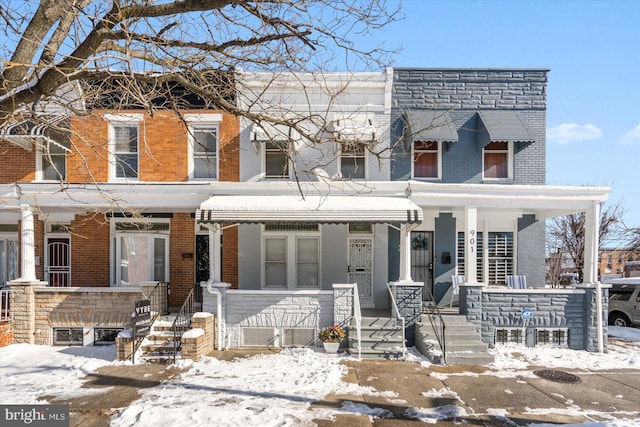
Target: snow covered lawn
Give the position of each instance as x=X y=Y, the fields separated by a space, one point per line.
x=272 y=389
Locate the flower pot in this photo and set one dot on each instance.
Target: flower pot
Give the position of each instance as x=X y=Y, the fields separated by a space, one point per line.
x=331 y=347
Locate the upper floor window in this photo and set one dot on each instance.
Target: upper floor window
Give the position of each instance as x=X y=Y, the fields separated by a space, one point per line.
x=51 y=161
x=426 y=159
x=353 y=160
x=276 y=159
x=496 y=160
x=204 y=151
x=124 y=146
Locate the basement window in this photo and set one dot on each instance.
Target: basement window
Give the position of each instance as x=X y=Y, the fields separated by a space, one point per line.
x=68 y=336
x=556 y=337
x=509 y=335
x=105 y=336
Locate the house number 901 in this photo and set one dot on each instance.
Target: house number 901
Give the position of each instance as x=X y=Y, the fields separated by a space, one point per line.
x=472 y=239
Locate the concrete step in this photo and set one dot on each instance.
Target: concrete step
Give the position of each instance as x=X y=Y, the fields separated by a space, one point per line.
x=478 y=346
x=377 y=354
x=376 y=323
x=469 y=358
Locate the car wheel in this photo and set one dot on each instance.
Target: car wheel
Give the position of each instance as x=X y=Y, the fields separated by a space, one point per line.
x=619 y=320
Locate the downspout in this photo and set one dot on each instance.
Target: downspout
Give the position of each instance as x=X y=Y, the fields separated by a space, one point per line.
x=218 y=294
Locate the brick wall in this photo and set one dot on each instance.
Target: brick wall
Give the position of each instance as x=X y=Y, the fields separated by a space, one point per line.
x=163 y=150
x=462 y=93
x=6 y=333
x=182 y=270
x=18 y=164
x=90 y=250
x=230 y=256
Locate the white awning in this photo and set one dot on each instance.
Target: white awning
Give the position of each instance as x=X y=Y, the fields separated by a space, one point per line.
x=320 y=209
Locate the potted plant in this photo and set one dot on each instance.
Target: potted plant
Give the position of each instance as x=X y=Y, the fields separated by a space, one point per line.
x=331 y=336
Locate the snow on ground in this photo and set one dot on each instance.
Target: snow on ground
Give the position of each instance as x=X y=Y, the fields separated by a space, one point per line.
x=273 y=389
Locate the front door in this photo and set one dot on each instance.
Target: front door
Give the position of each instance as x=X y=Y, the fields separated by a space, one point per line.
x=422 y=261
x=58 y=265
x=361 y=268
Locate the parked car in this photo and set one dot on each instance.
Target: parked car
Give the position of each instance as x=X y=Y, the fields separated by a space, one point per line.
x=624 y=302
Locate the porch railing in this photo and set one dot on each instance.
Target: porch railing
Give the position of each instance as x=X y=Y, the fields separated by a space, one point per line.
x=5 y=300
x=158 y=301
x=182 y=322
x=357 y=315
x=434 y=315
x=399 y=319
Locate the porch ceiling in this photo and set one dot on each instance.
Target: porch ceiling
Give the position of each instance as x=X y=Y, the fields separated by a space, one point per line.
x=328 y=210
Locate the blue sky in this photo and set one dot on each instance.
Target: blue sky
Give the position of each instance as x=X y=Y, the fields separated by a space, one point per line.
x=593 y=51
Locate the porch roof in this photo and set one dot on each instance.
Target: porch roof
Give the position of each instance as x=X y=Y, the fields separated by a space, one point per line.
x=327 y=210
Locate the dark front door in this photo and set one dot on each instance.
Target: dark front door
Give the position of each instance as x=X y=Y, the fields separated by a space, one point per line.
x=422 y=260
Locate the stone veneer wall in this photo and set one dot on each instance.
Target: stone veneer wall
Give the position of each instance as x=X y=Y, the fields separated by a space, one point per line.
x=575 y=309
x=37 y=308
x=409 y=300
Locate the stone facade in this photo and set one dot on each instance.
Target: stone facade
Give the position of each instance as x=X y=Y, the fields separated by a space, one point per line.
x=409 y=300
x=37 y=309
x=572 y=309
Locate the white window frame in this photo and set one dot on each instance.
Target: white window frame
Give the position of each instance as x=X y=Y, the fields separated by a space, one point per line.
x=509 y=153
x=9 y=239
x=122 y=120
x=116 y=249
x=203 y=121
x=438 y=150
x=483 y=253
x=291 y=238
x=266 y=150
x=40 y=161
x=364 y=156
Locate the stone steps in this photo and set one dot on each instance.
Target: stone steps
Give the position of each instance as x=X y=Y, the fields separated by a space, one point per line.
x=381 y=338
x=159 y=346
x=463 y=344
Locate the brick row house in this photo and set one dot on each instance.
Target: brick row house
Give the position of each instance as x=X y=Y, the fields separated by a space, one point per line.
x=394 y=181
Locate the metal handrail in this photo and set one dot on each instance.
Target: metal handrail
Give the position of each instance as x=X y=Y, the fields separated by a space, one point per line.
x=357 y=314
x=396 y=313
x=433 y=314
x=157 y=304
x=182 y=321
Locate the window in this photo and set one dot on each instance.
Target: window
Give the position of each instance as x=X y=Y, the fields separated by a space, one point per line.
x=426 y=159
x=205 y=151
x=552 y=337
x=352 y=160
x=124 y=139
x=68 y=336
x=496 y=160
x=51 y=162
x=498 y=261
x=138 y=255
x=8 y=258
x=291 y=260
x=276 y=161
x=509 y=335
x=105 y=336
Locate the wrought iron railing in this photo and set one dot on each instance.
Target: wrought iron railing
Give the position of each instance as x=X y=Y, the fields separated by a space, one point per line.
x=159 y=306
x=434 y=316
x=182 y=322
x=399 y=319
x=5 y=304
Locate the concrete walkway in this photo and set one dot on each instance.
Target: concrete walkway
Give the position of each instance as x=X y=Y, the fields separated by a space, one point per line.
x=469 y=394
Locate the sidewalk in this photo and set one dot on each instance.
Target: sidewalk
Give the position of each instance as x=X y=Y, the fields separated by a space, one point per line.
x=447 y=394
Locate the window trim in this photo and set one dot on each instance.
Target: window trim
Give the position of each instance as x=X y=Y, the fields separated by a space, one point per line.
x=438 y=151
x=124 y=120
x=40 y=161
x=364 y=156
x=291 y=239
x=202 y=124
x=264 y=150
x=509 y=152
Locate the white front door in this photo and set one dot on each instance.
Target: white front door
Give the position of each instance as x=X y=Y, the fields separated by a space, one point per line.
x=361 y=268
x=58 y=263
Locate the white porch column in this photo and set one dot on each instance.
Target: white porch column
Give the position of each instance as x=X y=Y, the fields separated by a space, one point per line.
x=215 y=270
x=405 y=253
x=591 y=242
x=471 y=243
x=27 y=248
x=590 y=272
